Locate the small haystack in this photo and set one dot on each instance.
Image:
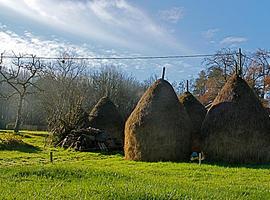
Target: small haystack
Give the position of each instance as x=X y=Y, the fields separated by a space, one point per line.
x=158 y=129
x=236 y=128
x=196 y=112
x=105 y=116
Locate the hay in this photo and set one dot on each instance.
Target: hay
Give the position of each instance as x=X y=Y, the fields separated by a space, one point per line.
x=158 y=129
x=196 y=112
x=105 y=116
x=236 y=128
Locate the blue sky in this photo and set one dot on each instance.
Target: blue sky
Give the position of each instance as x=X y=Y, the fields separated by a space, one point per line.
x=129 y=27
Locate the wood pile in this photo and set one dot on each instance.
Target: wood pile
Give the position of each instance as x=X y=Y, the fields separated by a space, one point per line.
x=89 y=139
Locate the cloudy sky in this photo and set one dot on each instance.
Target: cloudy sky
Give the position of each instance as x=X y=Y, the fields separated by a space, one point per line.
x=109 y=28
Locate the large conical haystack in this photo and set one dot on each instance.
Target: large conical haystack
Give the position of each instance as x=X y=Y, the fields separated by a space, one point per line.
x=196 y=112
x=236 y=128
x=105 y=116
x=158 y=129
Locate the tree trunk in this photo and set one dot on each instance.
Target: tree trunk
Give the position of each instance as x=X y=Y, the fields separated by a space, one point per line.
x=19 y=115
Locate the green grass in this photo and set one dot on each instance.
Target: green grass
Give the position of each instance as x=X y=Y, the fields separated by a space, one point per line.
x=26 y=173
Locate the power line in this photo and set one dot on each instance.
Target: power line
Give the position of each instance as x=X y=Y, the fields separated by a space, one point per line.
x=119 y=58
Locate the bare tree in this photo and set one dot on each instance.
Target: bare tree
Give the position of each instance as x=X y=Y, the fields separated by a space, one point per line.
x=225 y=59
x=123 y=90
x=64 y=92
x=20 y=76
x=259 y=70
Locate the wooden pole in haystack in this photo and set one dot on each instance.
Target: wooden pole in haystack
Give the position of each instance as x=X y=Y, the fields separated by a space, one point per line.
x=163 y=73
x=240 y=62
x=187 y=86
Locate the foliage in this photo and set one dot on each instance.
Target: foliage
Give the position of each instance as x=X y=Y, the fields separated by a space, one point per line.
x=255 y=70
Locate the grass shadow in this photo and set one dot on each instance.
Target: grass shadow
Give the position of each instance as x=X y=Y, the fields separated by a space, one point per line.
x=22 y=147
x=109 y=153
x=230 y=165
x=39 y=134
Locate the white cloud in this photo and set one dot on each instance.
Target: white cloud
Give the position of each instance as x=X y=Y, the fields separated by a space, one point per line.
x=210 y=33
x=30 y=44
x=232 y=40
x=114 y=22
x=173 y=14
x=27 y=43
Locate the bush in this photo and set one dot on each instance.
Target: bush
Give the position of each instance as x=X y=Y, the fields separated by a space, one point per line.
x=10 y=140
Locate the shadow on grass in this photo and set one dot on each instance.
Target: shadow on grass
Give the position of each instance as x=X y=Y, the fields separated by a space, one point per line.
x=39 y=134
x=109 y=153
x=21 y=146
x=230 y=165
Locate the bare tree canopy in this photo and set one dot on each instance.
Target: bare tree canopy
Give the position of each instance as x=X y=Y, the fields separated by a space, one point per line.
x=254 y=69
x=20 y=75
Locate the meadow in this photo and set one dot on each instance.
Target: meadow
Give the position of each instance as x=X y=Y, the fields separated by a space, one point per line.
x=27 y=173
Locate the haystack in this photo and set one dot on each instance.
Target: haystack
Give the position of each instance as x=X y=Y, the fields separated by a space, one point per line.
x=105 y=116
x=236 y=128
x=196 y=112
x=158 y=129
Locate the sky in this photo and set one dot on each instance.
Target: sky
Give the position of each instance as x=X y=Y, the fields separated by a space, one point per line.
x=126 y=28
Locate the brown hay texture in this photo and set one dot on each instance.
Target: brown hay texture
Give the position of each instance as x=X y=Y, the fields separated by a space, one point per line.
x=158 y=129
x=196 y=112
x=105 y=116
x=236 y=128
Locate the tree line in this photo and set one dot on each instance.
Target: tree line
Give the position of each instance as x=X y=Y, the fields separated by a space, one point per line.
x=255 y=69
x=46 y=95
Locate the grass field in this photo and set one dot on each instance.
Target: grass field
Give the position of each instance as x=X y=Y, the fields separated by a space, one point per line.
x=26 y=173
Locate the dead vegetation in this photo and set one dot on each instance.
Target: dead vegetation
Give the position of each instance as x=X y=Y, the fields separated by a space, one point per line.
x=89 y=139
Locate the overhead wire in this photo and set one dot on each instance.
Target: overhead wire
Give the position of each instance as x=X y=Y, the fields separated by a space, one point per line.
x=118 y=58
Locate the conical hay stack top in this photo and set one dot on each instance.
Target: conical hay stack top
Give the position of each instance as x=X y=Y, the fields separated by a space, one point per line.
x=195 y=110
x=105 y=116
x=158 y=129
x=236 y=128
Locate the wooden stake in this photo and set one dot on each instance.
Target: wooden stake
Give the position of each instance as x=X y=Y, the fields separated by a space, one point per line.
x=51 y=156
x=200 y=158
x=187 y=86
x=163 y=73
x=240 y=62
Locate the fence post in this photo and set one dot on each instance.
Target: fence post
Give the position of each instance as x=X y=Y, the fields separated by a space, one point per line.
x=51 y=156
